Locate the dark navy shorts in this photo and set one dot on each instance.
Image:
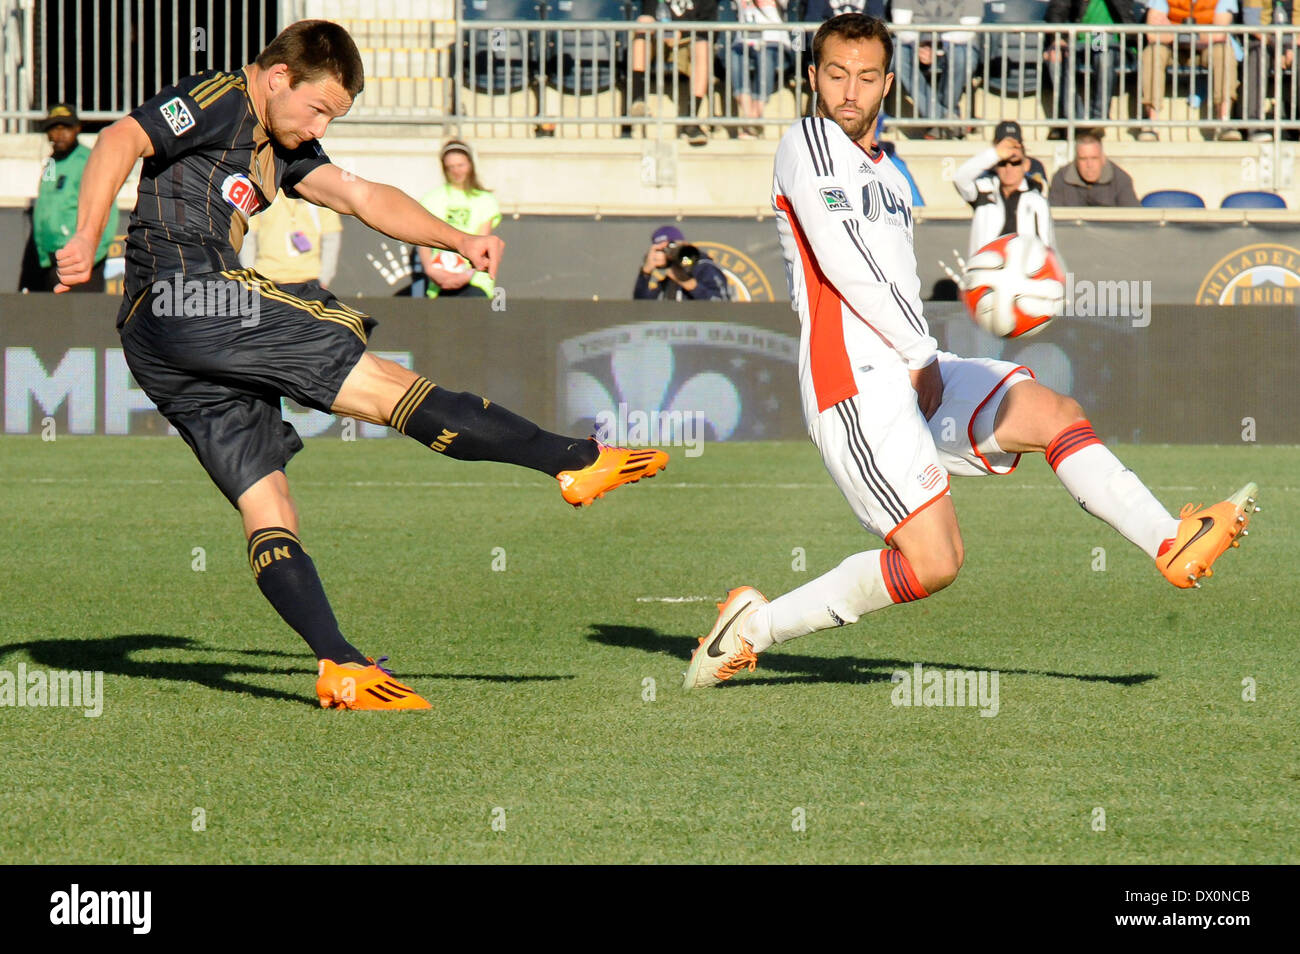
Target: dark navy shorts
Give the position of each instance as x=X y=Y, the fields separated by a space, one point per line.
x=218 y=373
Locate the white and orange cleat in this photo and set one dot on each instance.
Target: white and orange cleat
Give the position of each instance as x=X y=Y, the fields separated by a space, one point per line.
x=613 y=467
x=724 y=652
x=1203 y=535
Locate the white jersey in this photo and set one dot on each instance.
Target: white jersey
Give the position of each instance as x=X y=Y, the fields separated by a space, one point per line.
x=845 y=220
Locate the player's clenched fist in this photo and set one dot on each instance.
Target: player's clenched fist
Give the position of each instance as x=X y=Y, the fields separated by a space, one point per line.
x=74 y=262
x=484 y=252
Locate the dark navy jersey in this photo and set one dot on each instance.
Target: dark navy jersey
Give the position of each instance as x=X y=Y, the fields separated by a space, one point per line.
x=213 y=167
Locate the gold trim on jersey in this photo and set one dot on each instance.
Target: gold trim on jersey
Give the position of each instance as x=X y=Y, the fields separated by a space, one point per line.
x=207 y=85
x=214 y=93
x=347 y=317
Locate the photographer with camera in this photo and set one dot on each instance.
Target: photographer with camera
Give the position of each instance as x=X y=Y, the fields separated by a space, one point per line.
x=677 y=271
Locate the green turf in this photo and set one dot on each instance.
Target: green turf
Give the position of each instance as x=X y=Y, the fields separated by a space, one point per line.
x=1116 y=690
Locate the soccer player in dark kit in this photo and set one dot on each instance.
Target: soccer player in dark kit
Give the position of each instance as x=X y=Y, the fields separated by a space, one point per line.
x=215 y=346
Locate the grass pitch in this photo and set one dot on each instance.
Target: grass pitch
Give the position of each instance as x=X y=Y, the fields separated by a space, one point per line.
x=544 y=640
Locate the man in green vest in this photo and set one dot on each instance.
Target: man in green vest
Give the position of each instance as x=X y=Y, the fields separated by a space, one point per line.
x=54 y=216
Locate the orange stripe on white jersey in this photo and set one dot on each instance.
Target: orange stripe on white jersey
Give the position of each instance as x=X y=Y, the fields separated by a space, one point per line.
x=832 y=372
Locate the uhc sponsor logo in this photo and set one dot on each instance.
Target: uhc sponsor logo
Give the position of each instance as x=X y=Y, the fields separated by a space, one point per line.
x=930 y=477
x=876 y=198
x=238 y=190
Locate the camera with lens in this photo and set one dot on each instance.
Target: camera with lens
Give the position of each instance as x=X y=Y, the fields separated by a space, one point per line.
x=682 y=258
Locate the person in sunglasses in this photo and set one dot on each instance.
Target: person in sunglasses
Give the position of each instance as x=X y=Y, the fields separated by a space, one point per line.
x=994 y=182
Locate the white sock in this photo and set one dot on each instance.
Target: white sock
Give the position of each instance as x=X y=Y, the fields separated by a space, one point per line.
x=854 y=588
x=1104 y=487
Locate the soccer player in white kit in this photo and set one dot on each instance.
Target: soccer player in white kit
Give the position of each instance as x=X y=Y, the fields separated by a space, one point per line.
x=892 y=415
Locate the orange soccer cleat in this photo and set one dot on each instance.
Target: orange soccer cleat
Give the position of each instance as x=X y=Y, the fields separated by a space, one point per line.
x=724 y=652
x=353 y=686
x=1203 y=535
x=615 y=466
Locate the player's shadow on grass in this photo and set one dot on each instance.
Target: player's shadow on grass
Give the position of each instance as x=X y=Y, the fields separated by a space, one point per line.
x=795 y=668
x=112 y=655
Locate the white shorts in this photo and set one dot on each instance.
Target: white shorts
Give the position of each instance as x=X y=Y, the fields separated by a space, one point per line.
x=889 y=462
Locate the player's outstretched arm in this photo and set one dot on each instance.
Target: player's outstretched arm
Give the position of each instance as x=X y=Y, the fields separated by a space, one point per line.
x=116 y=150
x=394 y=213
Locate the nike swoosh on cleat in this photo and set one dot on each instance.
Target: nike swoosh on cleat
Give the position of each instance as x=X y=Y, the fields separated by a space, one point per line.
x=1206 y=524
x=713 y=649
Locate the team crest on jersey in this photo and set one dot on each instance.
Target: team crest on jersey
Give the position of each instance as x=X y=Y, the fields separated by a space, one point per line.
x=237 y=189
x=177 y=115
x=930 y=477
x=836 y=200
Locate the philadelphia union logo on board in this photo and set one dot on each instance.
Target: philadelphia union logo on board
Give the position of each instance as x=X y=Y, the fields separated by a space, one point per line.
x=1265 y=274
x=748 y=282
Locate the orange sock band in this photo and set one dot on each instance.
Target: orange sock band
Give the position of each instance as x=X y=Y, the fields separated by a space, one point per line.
x=900 y=580
x=1071 y=440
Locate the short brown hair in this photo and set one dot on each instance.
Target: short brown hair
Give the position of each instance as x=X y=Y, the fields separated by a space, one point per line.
x=853 y=26
x=1090 y=135
x=313 y=49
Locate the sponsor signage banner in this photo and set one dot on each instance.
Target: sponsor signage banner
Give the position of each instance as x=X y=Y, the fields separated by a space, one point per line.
x=581 y=258
x=683 y=374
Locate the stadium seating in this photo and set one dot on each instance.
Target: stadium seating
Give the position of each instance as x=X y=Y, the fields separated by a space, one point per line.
x=1253 y=200
x=1013 y=62
x=591 y=60
x=505 y=64
x=1172 y=199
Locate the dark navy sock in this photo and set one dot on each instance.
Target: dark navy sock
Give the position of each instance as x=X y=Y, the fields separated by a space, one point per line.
x=287 y=578
x=468 y=427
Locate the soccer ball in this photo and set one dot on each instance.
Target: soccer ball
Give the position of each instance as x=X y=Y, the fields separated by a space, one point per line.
x=1014 y=286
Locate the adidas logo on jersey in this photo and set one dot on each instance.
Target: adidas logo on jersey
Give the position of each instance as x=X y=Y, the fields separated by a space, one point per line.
x=866 y=167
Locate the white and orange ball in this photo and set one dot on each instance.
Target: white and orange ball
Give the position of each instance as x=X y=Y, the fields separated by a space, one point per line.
x=1014 y=286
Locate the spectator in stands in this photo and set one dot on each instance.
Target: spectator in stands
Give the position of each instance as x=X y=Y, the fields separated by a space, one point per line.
x=1092 y=179
x=817 y=11
x=54 y=214
x=1036 y=175
x=1003 y=201
x=759 y=61
x=936 y=70
x=1209 y=50
x=689 y=55
x=1263 y=61
x=678 y=271
x=1094 y=61
x=463 y=202
x=293 y=241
